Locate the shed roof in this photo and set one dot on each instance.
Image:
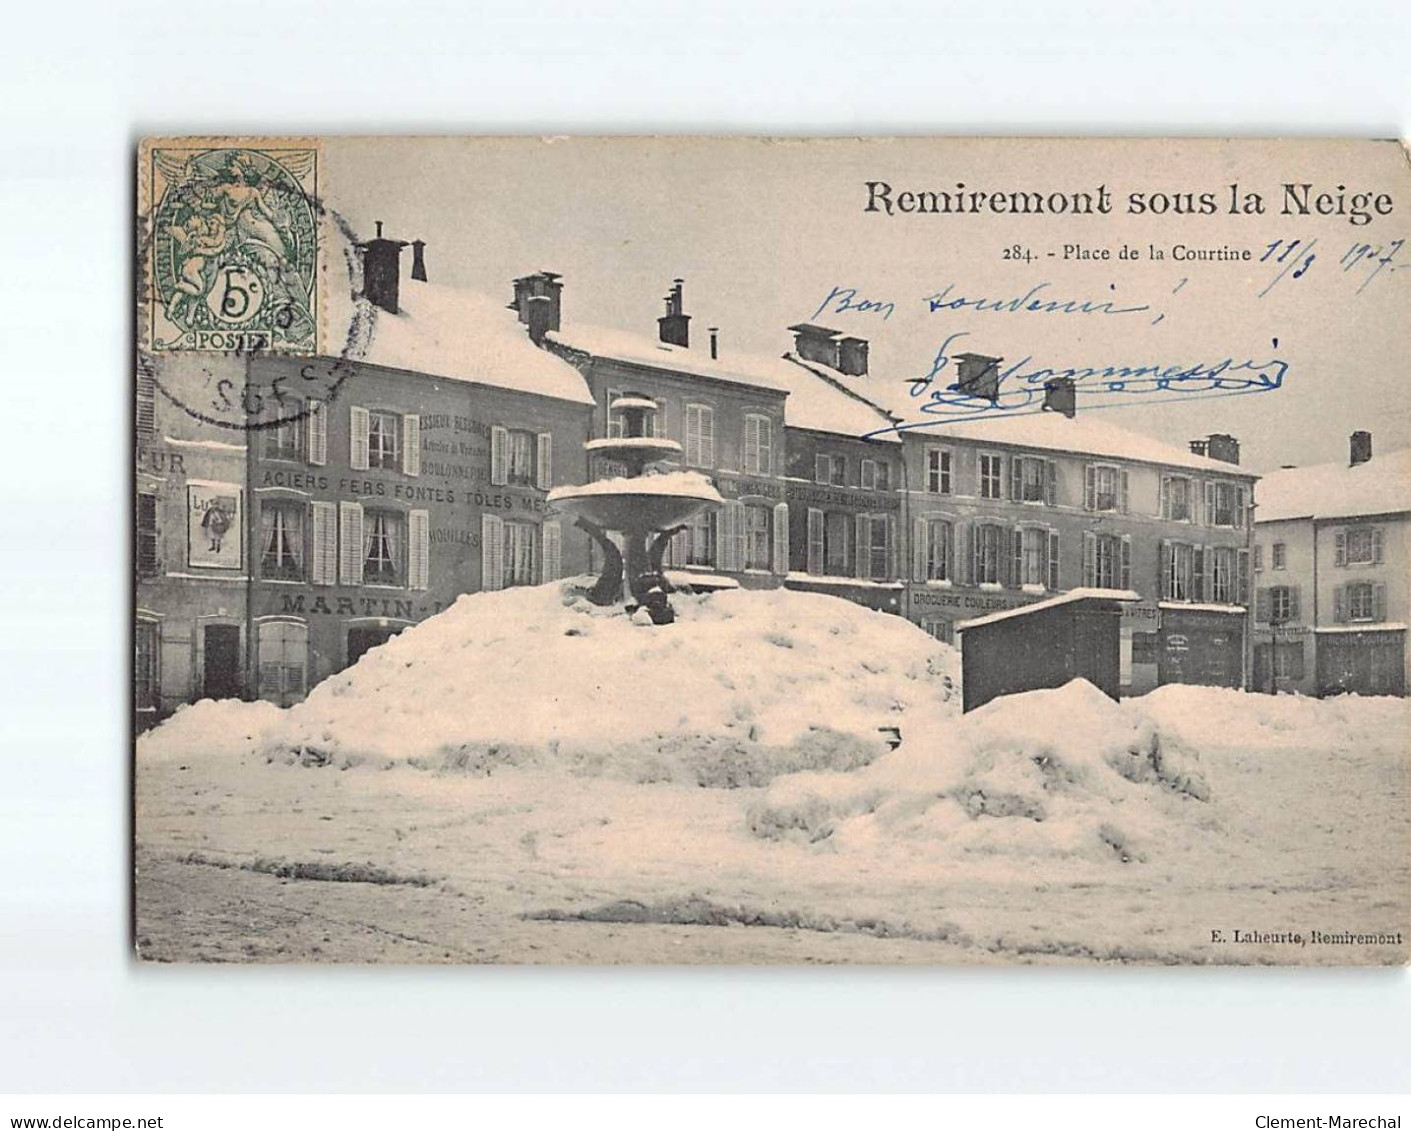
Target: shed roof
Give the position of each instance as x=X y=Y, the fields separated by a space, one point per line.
x=1051 y=603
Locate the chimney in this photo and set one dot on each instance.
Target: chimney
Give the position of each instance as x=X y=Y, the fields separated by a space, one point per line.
x=979 y=375
x=382 y=270
x=1197 y=447
x=714 y=342
x=852 y=357
x=675 y=325
x=1060 y=395
x=1222 y=447
x=419 y=260
x=816 y=343
x=538 y=300
x=1359 y=448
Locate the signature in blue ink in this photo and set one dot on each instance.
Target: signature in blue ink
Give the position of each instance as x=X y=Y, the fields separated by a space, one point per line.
x=1020 y=387
x=842 y=300
x=1029 y=302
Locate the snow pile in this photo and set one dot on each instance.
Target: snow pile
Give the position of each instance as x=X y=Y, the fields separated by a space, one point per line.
x=1065 y=772
x=220 y=729
x=745 y=685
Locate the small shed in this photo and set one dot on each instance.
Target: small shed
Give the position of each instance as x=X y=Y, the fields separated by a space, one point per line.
x=1077 y=635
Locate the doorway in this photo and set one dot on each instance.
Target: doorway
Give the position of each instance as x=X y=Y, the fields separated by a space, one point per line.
x=362 y=640
x=222 y=661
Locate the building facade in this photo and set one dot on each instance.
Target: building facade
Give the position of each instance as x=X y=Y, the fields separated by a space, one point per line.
x=1330 y=566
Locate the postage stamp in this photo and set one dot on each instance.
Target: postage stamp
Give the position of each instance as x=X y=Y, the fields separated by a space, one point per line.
x=230 y=252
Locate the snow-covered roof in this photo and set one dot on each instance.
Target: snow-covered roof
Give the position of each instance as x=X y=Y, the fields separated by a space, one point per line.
x=460 y=335
x=1052 y=602
x=823 y=403
x=1089 y=434
x=637 y=349
x=1382 y=485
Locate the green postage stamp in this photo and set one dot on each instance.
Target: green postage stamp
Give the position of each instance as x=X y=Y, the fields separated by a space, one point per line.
x=229 y=256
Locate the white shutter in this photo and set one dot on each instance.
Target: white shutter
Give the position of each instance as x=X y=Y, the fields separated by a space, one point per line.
x=358 y=421
x=750 y=463
x=323 y=569
x=544 y=461
x=350 y=543
x=1239 y=508
x=418 y=549
x=1089 y=487
x=815 y=541
x=1165 y=496
x=919 y=530
x=864 y=545
x=317 y=433
x=492 y=552
x=1125 y=578
x=781 y=538
x=553 y=551
x=1089 y=559
x=1207 y=562
x=730 y=535
x=741 y=534
x=499 y=455
x=708 y=443
x=411 y=444
x=1210 y=504
x=1376 y=545
x=1053 y=560
x=1122 y=490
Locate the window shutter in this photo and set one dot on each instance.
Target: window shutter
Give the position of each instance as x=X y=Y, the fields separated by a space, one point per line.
x=499 y=455
x=864 y=546
x=1242 y=578
x=815 y=540
x=869 y=475
x=1376 y=545
x=1126 y=576
x=544 y=461
x=316 y=439
x=553 y=550
x=1051 y=483
x=1016 y=478
x=1165 y=496
x=1163 y=564
x=1089 y=488
x=411 y=444
x=750 y=462
x=357 y=439
x=323 y=569
x=781 y=538
x=350 y=543
x=1016 y=557
x=1205 y=568
x=1053 y=560
x=1089 y=559
x=708 y=444
x=1239 y=507
x=1339 y=604
x=676 y=550
x=919 y=531
x=964 y=538
x=1122 y=491
x=612 y=423
x=659 y=422
x=492 y=552
x=1293 y=602
x=1341 y=556
x=1379 y=602
x=418 y=549
x=1263 y=604
x=1210 y=504
x=821 y=468
x=1258 y=558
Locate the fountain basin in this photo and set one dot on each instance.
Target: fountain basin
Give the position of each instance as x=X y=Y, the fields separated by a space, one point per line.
x=627 y=447
x=645 y=503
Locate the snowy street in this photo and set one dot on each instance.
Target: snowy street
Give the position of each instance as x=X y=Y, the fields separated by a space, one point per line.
x=719 y=823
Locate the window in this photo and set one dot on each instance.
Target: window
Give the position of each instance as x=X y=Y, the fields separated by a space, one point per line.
x=938 y=471
x=519 y=458
x=286 y=439
x=875 y=475
x=990 y=475
x=1105 y=562
x=1105 y=488
x=938 y=627
x=146 y=548
x=1278 y=556
x=1222 y=566
x=1361 y=545
x=939 y=540
x=879 y=547
x=383 y=435
x=1032 y=556
x=699 y=538
x=1176 y=494
x=145 y=668
x=830 y=470
x=1361 y=601
x=700 y=436
x=1033 y=482
x=519 y=553
x=987 y=554
x=835 y=544
x=1283 y=606
x=758 y=445
x=1178 y=577
x=384 y=547
x=757 y=545
x=1224 y=504
x=283 y=661
x=282 y=540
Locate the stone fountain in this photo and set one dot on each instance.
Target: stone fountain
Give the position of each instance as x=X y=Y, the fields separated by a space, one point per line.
x=644 y=510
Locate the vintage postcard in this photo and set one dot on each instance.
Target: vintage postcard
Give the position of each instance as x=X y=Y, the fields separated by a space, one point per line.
x=688 y=550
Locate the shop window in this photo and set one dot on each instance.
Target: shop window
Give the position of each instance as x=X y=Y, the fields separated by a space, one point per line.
x=938 y=470
x=939 y=627
x=384 y=547
x=1145 y=647
x=363 y=640
x=285 y=440
x=146 y=547
x=1288 y=659
x=991 y=475
x=700 y=539
x=282 y=540
x=519 y=554
x=757 y=544
x=283 y=661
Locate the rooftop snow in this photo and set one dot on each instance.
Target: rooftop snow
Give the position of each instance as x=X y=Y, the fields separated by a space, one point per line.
x=463 y=336
x=816 y=403
x=1053 y=602
x=1382 y=485
x=635 y=349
